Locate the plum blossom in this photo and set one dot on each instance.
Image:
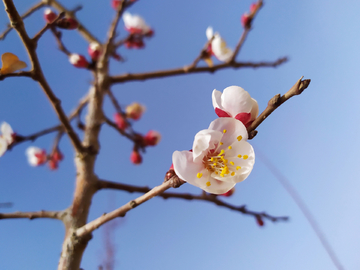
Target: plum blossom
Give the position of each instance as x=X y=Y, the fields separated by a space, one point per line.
x=7 y=133
x=235 y=102
x=135 y=24
x=36 y=156
x=220 y=157
x=218 y=46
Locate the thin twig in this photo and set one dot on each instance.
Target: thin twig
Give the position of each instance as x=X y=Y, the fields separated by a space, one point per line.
x=303 y=208
x=27 y=74
x=32 y=215
x=47 y=27
x=26 y=14
x=103 y=184
x=184 y=70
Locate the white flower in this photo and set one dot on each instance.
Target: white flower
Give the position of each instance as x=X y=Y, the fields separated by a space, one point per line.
x=235 y=102
x=220 y=157
x=7 y=132
x=135 y=24
x=218 y=46
x=36 y=156
x=3 y=146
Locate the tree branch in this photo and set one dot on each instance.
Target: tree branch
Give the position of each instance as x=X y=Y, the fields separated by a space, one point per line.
x=103 y=184
x=181 y=71
x=32 y=215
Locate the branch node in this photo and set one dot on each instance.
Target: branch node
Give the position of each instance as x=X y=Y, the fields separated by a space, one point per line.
x=133 y=204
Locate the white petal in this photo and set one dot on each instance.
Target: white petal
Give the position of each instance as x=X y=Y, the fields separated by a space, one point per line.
x=216 y=186
x=7 y=132
x=30 y=153
x=220 y=49
x=205 y=140
x=216 y=99
x=3 y=146
x=254 y=110
x=236 y=100
x=135 y=21
x=234 y=128
x=209 y=32
x=184 y=165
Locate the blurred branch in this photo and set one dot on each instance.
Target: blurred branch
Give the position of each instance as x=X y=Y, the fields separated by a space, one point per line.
x=26 y=14
x=32 y=215
x=185 y=70
x=103 y=184
x=276 y=101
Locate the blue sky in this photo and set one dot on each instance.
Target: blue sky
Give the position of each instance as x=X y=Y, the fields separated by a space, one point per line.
x=312 y=139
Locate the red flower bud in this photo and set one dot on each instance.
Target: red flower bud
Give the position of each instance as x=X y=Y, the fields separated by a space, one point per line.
x=253 y=7
x=152 y=138
x=53 y=165
x=94 y=50
x=49 y=15
x=135 y=44
x=57 y=156
x=120 y=121
x=245 y=20
x=78 y=61
x=135 y=157
x=115 y=4
x=259 y=221
x=67 y=23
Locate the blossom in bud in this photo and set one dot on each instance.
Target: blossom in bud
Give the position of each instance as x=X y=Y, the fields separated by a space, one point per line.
x=134 y=43
x=3 y=146
x=49 y=15
x=116 y=3
x=11 y=63
x=78 y=60
x=229 y=193
x=254 y=7
x=36 y=156
x=259 y=221
x=120 y=121
x=135 y=157
x=94 y=50
x=246 y=20
x=218 y=46
x=235 y=102
x=135 y=24
x=152 y=138
x=135 y=111
x=7 y=133
x=54 y=160
x=220 y=157
x=67 y=23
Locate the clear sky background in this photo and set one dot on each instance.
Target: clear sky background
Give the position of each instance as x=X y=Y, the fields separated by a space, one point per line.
x=313 y=139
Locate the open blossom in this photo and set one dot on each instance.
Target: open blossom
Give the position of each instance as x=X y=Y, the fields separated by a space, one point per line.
x=220 y=157
x=218 y=46
x=135 y=24
x=36 y=156
x=235 y=102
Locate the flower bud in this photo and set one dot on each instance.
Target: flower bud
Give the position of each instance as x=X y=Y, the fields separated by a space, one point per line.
x=94 y=50
x=120 y=121
x=49 y=15
x=229 y=193
x=135 y=43
x=78 y=60
x=36 y=156
x=57 y=156
x=253 y=7
x=259 y=221
x=245 y=20
x=115 y=4
x=67 y=23
x=135 y=111
x=152 y=138
x=135 y=157
x=53 y=165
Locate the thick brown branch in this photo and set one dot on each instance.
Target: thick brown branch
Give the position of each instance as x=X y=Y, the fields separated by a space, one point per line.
x=26 y=14
x=103 y=184
x=38 y=75
x=181 y=71
x=32 y=215
x=276 y=101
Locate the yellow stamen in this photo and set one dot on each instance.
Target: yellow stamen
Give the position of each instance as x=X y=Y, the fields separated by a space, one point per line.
x=239 y=138
x=208 y=184
x=229 y=147
x=239 y=156
x=221 y=143
x=232 y=163
x=199 y=175
x=224 y=131
x=221 y=152
x=238 y=167
x=245 y=157
x=233 y=173
x=212 y=159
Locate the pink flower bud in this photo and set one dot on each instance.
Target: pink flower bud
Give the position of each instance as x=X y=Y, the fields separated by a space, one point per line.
x=49 y=15
x=57 y=156
x=115 y=4
x=152 y=138
x=67 y=23
x=94 y=50
x=253 y=7
x=36 y=156
x=120 y=121
x=135 y=157
x=135 y=43
x=229 y=193
x=135 y=111
x=245 y=20
x=78 y=60
x=53 y=165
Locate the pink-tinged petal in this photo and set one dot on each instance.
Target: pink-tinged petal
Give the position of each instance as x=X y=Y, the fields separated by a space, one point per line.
x=221 y=113
x=3 y=146
x=205 y=140
x=243 y=117
x=185 y=167
x=236 y=100
x=7 y=132
x=135 y=24
x=254 y=110
x=216 y=186
x=233 y=127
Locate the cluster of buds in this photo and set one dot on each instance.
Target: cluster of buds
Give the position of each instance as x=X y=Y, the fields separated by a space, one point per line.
x=37 y=156
x=63 y=23
x=246 y=18
x=7 y=137
x=54 y=159
x=151 y=138
x=80 y=61
x=138 y=29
